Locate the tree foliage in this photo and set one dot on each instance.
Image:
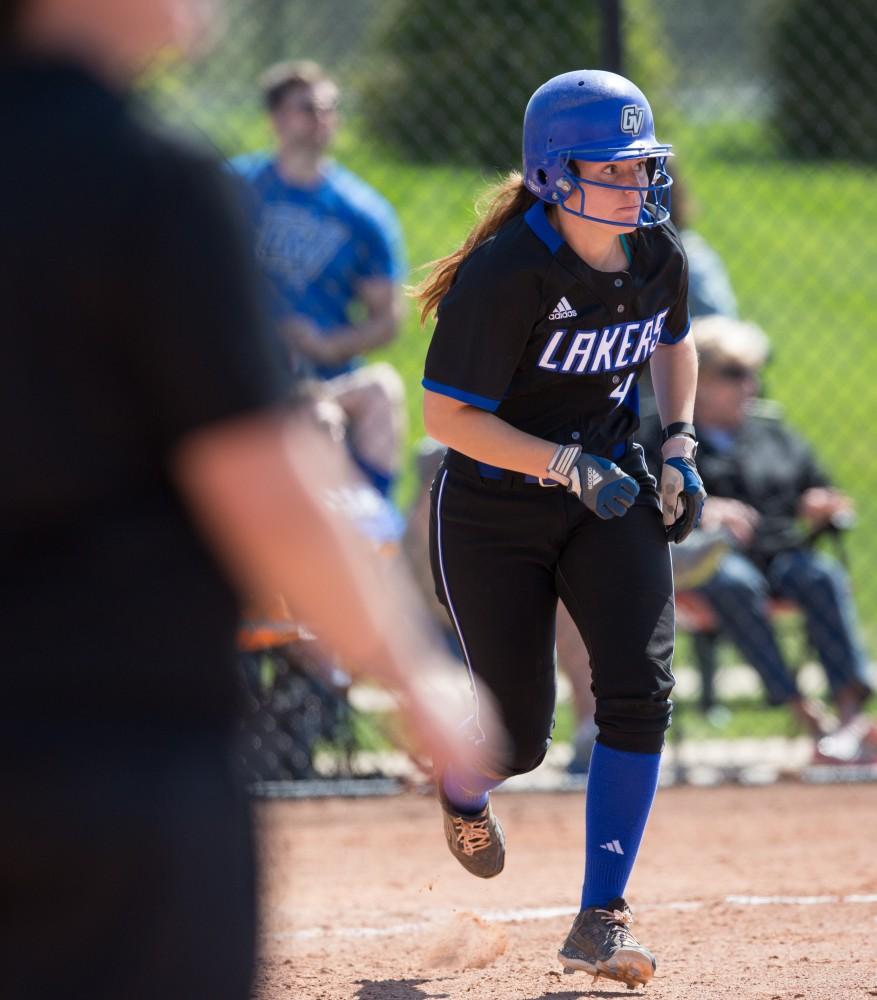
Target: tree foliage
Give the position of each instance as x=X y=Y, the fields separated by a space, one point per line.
x=826 y=78
x=449 y=80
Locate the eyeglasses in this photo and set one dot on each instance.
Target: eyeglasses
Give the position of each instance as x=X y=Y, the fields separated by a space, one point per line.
x=313 y=108
x=735 y=373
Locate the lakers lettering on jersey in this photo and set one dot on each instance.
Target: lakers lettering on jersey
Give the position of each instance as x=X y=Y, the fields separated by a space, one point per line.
x=592 y=351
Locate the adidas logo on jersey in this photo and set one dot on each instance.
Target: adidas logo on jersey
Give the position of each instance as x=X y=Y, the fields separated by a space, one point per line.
x=563 y=310
x=612 y=846
x=594 y=477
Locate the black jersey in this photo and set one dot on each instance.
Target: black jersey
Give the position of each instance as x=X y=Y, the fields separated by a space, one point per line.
x=130 y=318
x=532 y=333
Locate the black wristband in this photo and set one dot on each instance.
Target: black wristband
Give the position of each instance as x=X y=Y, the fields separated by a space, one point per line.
x=679 y=427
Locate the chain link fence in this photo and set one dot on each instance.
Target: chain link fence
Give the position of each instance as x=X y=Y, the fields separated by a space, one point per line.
x=768 y=103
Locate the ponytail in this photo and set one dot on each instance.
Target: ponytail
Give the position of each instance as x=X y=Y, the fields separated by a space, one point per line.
x=498 y=204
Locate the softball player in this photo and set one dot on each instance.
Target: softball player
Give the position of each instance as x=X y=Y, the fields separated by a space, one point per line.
x=547 y=314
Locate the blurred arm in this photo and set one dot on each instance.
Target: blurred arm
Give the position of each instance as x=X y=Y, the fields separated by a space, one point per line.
x=382 y=299
x=821 y=505
x=257 y=489
x=737 y=518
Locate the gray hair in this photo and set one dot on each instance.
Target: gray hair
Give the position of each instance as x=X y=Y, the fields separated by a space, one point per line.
x=722 y=340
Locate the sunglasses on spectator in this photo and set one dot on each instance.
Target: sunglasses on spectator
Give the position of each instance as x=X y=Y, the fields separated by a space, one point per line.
x=735 y=373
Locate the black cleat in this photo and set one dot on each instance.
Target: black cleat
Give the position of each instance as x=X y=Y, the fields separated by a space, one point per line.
x=600 y=943
x=477 y=841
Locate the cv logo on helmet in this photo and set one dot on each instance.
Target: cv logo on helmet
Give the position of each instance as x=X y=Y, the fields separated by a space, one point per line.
x=631 y=119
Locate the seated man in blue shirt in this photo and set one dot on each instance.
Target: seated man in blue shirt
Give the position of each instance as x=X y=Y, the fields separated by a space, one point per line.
x=331 y=249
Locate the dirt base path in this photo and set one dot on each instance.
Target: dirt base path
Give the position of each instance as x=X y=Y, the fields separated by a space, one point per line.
x=362 y=900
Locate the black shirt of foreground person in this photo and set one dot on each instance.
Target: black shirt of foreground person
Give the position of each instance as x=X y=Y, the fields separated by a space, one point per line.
x=128 y=318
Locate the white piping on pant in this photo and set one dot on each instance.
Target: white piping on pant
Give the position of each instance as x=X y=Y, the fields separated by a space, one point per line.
x=456 y=622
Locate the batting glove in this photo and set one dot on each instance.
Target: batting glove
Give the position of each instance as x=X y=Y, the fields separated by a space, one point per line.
x=598 y=483
x=682 y=491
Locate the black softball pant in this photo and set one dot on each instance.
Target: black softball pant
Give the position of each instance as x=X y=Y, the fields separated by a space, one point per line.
x=502 y=555
x=126 y=864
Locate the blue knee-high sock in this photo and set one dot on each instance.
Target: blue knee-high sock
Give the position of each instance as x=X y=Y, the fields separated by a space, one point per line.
x=621 y=788
x=467 y=790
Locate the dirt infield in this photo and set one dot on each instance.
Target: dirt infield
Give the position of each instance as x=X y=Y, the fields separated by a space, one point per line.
x=363 y=902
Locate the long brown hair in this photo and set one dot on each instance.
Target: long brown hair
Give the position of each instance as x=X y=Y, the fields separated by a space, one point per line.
x=495 y=207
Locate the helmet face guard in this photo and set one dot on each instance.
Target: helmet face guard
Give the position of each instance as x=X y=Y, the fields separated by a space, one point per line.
x=596 y=117
x=654 y=197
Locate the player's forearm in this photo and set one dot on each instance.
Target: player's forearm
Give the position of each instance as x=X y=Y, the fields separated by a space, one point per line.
x=674 y=379
x=258 y=488
x=485 y=437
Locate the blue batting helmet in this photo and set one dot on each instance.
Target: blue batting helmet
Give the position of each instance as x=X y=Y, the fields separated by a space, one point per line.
x=597 y=117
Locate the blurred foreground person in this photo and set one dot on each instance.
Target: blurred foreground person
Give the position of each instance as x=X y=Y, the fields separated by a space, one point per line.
x=152 y=472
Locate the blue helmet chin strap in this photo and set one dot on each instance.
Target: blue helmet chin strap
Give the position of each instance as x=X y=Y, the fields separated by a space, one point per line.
x=654 y=210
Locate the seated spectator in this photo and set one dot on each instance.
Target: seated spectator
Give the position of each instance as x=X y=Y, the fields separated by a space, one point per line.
x=771 y=498
x=331 y=250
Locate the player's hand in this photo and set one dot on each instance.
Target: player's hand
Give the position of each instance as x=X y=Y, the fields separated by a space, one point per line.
x=682 y=490
x=602 y=486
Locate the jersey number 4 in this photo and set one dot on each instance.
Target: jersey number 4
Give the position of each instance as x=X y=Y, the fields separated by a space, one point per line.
x=622 y=389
